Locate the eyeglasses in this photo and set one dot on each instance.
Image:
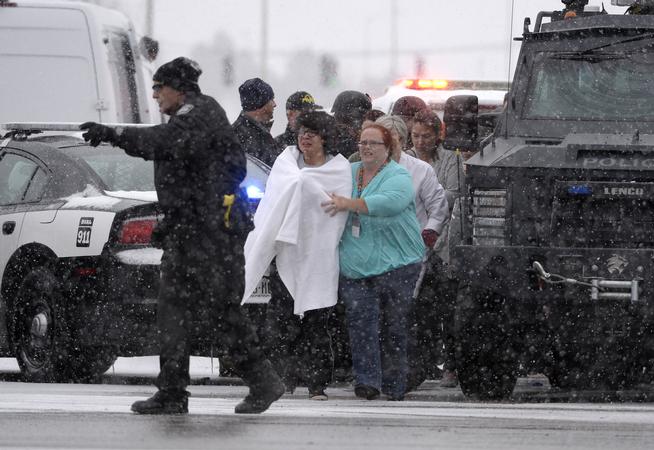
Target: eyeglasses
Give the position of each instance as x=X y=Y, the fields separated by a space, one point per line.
x=157 y=87
x=369 y=143
x=306 y=132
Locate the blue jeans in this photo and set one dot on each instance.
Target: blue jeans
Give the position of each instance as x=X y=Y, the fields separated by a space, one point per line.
x=377 y=314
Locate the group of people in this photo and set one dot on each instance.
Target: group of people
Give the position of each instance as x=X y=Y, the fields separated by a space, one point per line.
x=352 y=229
x=381 y=255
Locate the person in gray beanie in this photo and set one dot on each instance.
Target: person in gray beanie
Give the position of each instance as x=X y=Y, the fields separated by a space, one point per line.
x=253 y=125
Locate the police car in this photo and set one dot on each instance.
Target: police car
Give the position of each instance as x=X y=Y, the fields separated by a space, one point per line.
x=79 y=277
x=435 y=93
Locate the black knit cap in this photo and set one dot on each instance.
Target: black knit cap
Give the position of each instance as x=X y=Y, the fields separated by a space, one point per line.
x=255 y=93
x=180 y=74
x=351 y=105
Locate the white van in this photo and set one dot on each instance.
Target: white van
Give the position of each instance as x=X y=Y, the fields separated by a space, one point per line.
x=71 y=62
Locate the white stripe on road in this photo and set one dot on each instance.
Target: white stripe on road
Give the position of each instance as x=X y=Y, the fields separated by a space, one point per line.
x=342 y=408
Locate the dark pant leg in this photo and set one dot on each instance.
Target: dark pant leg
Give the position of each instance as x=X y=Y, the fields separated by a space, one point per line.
x=431 y=312
x=314 y=348
x=223 y=283
x=174 y=320
x=338 y=330
x=395 y=289
x=282 y=329
x=447 y=313
x=362 y=312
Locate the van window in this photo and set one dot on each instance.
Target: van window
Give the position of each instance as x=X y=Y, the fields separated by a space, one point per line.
x=121 y=63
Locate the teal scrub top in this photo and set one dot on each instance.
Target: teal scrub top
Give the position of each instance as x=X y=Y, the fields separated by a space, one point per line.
x=389 y=235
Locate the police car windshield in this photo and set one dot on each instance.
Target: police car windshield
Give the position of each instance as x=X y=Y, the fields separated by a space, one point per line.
x=118 y=170
x=594 y=86
x=121 y=172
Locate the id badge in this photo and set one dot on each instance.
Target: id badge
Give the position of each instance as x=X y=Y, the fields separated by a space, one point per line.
x=356 y=226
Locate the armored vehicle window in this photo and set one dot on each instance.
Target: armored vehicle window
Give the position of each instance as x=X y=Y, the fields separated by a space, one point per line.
x=592 y=86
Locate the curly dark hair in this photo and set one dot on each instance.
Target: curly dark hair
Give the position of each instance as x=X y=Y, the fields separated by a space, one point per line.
x=431 y=120
x=322 y=124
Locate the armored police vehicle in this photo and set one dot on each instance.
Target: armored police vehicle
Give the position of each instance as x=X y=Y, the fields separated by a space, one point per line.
x=556 y=226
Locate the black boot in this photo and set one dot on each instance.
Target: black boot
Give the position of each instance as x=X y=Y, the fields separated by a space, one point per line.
x=265 y=387
x=163 y=403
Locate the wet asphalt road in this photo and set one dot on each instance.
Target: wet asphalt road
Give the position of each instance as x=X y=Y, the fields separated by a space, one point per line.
x=85 y=416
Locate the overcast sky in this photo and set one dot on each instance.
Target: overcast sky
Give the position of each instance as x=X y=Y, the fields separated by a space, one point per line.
x=464 y=39
x=436 y=29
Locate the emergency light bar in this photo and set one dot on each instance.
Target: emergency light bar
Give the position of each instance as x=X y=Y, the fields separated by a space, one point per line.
x=420 y=83
x=423 y=84
x=37 y=127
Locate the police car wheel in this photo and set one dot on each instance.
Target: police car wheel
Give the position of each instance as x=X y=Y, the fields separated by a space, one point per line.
x=89 y=362
x=35 y=330
x=486 y=360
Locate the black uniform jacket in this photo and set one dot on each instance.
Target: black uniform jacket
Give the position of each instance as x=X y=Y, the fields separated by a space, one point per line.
x=197 y=160
x=256 y=139
x=287 y=138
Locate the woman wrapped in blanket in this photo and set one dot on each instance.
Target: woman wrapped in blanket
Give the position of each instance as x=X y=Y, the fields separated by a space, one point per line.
x=291 y=228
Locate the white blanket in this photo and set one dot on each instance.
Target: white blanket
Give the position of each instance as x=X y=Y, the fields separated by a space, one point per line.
x=291 y=225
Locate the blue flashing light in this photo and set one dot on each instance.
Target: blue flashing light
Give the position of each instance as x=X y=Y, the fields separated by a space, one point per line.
x=580 y=190
x=254 y=192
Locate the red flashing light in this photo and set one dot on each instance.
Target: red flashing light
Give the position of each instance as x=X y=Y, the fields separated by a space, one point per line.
x=137 y=231
x=85 y=271
x=424 y=83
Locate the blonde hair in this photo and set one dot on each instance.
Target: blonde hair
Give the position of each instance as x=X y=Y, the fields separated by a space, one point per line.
x=395 y=123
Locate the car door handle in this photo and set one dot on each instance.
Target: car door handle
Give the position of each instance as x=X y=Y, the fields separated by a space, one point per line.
x=8 y=227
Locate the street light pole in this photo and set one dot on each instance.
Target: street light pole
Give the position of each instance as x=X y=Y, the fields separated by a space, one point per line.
x=394 y=39
x=264 y=38
x=149 y=18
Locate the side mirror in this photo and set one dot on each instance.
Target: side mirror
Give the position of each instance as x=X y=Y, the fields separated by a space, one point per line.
x=461 y=122
x=149 y=48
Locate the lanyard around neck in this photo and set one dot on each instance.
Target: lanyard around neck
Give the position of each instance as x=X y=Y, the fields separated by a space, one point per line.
x=360 y=177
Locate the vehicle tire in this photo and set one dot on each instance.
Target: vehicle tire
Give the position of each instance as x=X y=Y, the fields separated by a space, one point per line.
x=597 y=349
x=486 y=360
x=88 y=363
x=41 y=340
x=35 y=330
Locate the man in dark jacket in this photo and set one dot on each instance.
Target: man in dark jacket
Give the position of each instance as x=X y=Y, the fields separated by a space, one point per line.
x=252 y=126
x=198 y=166
x=297 y=103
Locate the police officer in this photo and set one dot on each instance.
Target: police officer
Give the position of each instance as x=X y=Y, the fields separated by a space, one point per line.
x=198 y=166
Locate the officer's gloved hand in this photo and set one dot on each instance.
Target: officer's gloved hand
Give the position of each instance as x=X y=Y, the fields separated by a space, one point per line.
x=98 y=133
x=429 y=237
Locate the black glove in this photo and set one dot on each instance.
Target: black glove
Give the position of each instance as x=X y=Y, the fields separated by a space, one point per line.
x=98 y=133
